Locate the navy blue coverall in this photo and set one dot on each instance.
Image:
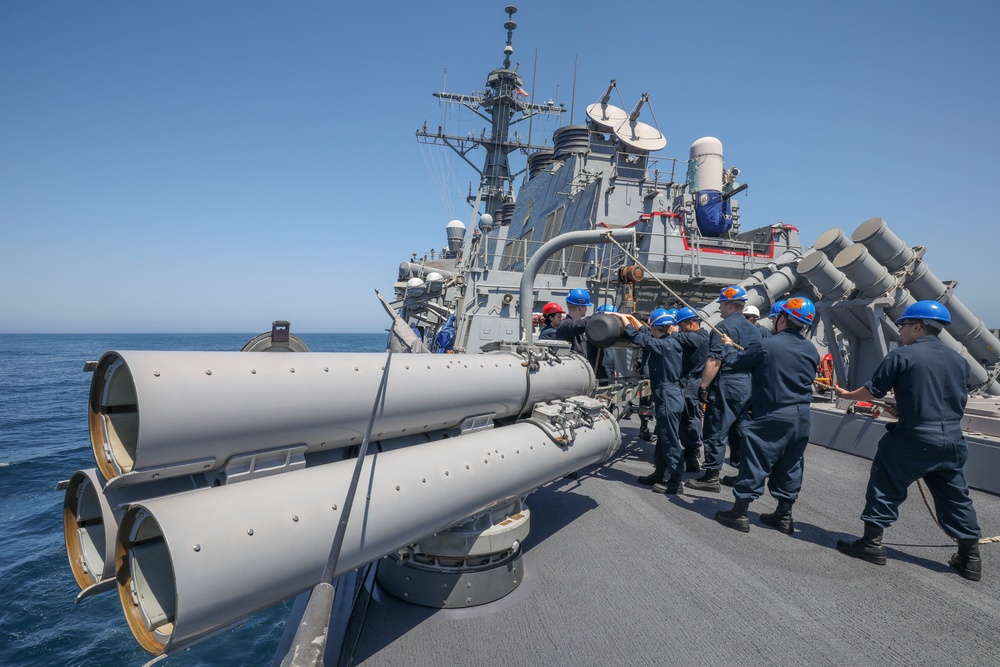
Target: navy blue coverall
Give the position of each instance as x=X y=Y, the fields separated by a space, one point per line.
x=694 y=352
x=729 y=393
x=548 y=332
x=575 y=332
x=735 y=439
x=929 y=381
x=775 y=437
x=664 y=364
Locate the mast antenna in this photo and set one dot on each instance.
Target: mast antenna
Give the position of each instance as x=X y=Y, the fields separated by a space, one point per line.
x=509 y=25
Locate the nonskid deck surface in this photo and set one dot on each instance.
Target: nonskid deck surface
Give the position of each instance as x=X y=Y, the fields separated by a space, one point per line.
x=618 y=575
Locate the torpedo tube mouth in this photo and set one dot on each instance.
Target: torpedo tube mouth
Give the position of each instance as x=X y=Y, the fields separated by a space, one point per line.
x=85 y=529
x=113 y=416
x=146 y=582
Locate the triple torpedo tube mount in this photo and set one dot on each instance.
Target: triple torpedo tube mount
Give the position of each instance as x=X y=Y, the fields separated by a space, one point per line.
x=221 y=476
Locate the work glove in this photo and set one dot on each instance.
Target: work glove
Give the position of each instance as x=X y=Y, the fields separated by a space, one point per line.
x=703 y=394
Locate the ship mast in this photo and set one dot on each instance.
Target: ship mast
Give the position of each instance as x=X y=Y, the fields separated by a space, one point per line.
x=499 y=105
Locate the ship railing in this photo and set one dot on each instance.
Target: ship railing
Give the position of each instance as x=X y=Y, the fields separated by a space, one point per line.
x=573 y=261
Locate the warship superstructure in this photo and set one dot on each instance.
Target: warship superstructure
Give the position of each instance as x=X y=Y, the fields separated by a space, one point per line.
x=220 y=479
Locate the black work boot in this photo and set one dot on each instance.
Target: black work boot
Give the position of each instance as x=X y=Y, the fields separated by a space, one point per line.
x=691 y=461
x=707 y=482
x=867 y=548
x=670 y=486
x=967 y=560
x=736 y=518
x=728 y=480
x=650 y=480
x=644 y=432
x=781 y=519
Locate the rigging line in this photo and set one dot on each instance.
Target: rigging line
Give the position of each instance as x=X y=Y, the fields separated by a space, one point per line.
x=665 y=286
x=534 y=78
x=930 y=509
x=306 y=649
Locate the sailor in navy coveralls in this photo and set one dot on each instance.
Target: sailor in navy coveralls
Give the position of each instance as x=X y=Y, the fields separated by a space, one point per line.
x=775 y=439
x=930 y=382
x=694 y=346
x=664 y=374
x=726 y=390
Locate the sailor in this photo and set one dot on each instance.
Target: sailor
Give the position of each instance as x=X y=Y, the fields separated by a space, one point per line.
x=930 y=384
x=752 y=313
x=726 y=390
x=574 y=329
x=694 y=352
x=553 y=314
x=775 y=439
x=664 y=373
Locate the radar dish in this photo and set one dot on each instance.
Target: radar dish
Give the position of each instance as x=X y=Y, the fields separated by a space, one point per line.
x=640 y=136
x=606 y=116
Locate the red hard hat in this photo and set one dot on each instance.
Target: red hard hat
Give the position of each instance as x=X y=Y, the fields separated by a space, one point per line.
x=552 y=307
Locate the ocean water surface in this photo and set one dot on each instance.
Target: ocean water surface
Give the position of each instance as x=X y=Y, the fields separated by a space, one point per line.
x=44 y=439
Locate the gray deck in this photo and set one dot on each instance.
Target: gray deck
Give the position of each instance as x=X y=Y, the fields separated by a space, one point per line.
x=618 y=575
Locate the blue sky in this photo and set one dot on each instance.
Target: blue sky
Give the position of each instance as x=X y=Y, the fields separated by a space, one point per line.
x=213 y=166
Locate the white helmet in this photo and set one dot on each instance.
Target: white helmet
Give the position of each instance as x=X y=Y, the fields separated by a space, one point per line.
x=751 y=311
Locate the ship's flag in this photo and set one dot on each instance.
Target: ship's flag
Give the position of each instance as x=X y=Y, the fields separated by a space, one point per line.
x=521 y=91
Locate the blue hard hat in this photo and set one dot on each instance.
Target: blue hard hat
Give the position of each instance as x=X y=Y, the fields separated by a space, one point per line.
x=661 y=318
x=776 y=308
x=607 y=308
x=799 y=309
x=579 y=297
x=926 y=310
x=672 y=312
x=733 y=293
x=685 y=314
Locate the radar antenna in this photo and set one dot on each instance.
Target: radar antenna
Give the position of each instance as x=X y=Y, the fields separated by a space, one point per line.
x=639 y=136
x=509 y=25
x=606 y=116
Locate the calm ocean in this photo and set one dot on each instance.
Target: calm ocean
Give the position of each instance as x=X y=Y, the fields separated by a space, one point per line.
x=43 y=439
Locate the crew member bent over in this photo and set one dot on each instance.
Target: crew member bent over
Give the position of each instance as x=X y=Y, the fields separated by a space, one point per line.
x=775 y=438
x=664 y=374
x=930 y=384
x=726 y=390
x=573 y=329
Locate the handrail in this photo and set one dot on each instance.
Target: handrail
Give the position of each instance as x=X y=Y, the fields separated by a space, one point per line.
x=586 y=237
